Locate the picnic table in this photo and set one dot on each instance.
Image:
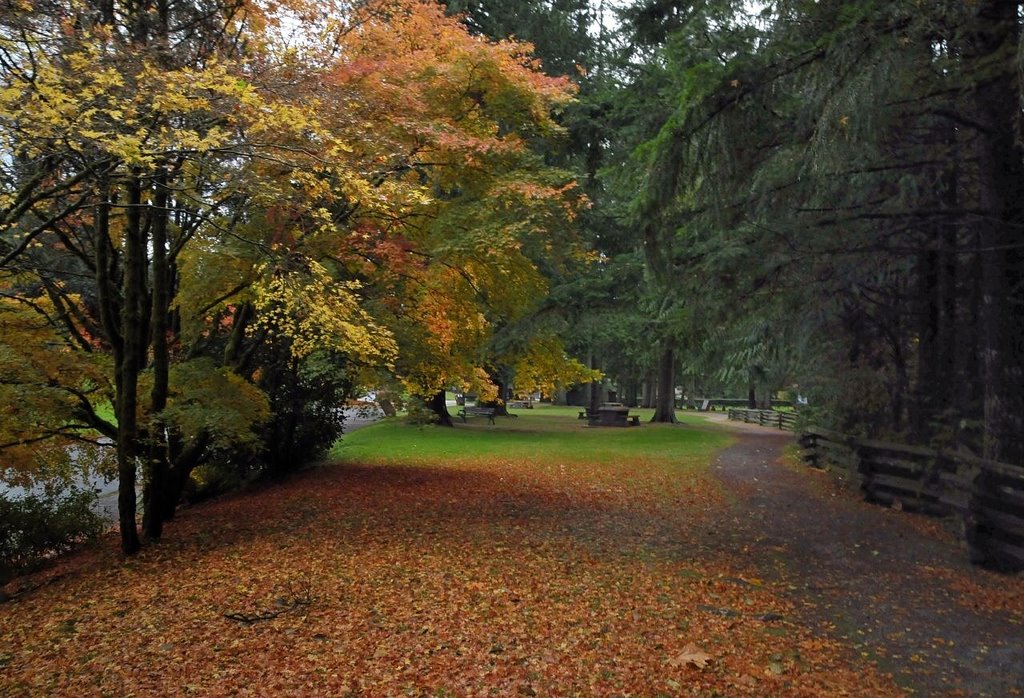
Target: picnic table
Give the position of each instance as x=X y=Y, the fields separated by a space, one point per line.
x=610 y=414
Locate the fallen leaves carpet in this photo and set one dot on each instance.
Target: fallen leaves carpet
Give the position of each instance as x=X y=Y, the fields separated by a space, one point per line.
x=491 y=577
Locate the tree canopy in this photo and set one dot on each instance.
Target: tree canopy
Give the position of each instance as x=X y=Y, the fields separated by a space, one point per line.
x=207 y=207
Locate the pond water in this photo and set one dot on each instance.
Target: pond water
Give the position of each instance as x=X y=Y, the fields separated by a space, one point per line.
x=106 y=488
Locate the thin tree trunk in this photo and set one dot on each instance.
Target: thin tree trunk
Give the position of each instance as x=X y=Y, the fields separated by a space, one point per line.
x=185 y=462
x=947 y=336
x=650 y=390
x=665 y=408
x=631 y=393
x=560 y=397
x=133 y=329
x=240 y=321
x=923 y=408
x=500 y=379
x=153 y=512
x=111 y=318
x=969 y=370
x=282 y=461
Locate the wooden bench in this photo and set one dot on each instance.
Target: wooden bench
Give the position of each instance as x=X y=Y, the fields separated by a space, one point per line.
x=477 y=412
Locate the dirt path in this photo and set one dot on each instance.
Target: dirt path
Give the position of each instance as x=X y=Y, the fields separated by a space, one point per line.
x=866 y=574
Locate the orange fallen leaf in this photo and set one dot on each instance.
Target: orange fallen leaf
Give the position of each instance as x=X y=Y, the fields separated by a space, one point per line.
x=691 y=655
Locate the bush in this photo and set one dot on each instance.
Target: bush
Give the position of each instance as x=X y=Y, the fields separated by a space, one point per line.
x=40 y=525
x=419 y=412
x=212 y=480
x=306 y=400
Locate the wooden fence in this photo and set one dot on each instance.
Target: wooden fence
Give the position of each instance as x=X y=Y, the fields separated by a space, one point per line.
x=987 y=498
x=766 y=418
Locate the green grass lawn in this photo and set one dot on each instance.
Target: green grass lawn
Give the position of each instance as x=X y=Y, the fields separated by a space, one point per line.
x=543 y=434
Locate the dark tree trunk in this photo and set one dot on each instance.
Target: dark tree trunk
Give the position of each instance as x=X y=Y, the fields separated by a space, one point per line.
x=500 y=379
x=240 y=321
x=169 y=496
x=968 y=368
x=561 y=397
x=947 y=336
x=185 y=462
x=751 y=396
x=153 y=511
x=899 y=393
x=111 y=316
x=440 y=408
x=106 y=11
x=1001 y=196
x=387 y=406
x=665 y=408
x=935 y=396
x=924 y=407
x=283 y=462
x=133 y=332
x=632 y=389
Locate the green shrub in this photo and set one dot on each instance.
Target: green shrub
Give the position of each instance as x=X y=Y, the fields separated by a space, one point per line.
x=419 y=412
x=40 y=525
x=213 y=479
x=306 y=398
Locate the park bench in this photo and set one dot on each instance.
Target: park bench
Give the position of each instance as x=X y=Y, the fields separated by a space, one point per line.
x=477 y=412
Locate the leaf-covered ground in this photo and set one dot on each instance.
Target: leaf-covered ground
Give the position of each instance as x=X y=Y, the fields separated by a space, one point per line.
x=564 y=561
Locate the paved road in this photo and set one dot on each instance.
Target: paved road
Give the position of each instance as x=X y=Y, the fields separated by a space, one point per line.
x=866 y=574
x=359 y=417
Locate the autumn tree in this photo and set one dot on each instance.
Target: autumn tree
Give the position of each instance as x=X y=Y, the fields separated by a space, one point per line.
x=464 y=116
x=205 y=213
x=134 y=129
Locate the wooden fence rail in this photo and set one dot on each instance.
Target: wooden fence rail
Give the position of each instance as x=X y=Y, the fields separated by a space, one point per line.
x=766 y=418
x=987 y=498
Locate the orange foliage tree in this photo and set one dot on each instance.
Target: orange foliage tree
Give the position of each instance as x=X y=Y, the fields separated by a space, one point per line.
x=189 y=186
x=460 y=115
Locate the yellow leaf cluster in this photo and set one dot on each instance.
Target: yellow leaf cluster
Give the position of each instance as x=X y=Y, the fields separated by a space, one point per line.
x=314 y=311
x=43 y=384
x=545 y=366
